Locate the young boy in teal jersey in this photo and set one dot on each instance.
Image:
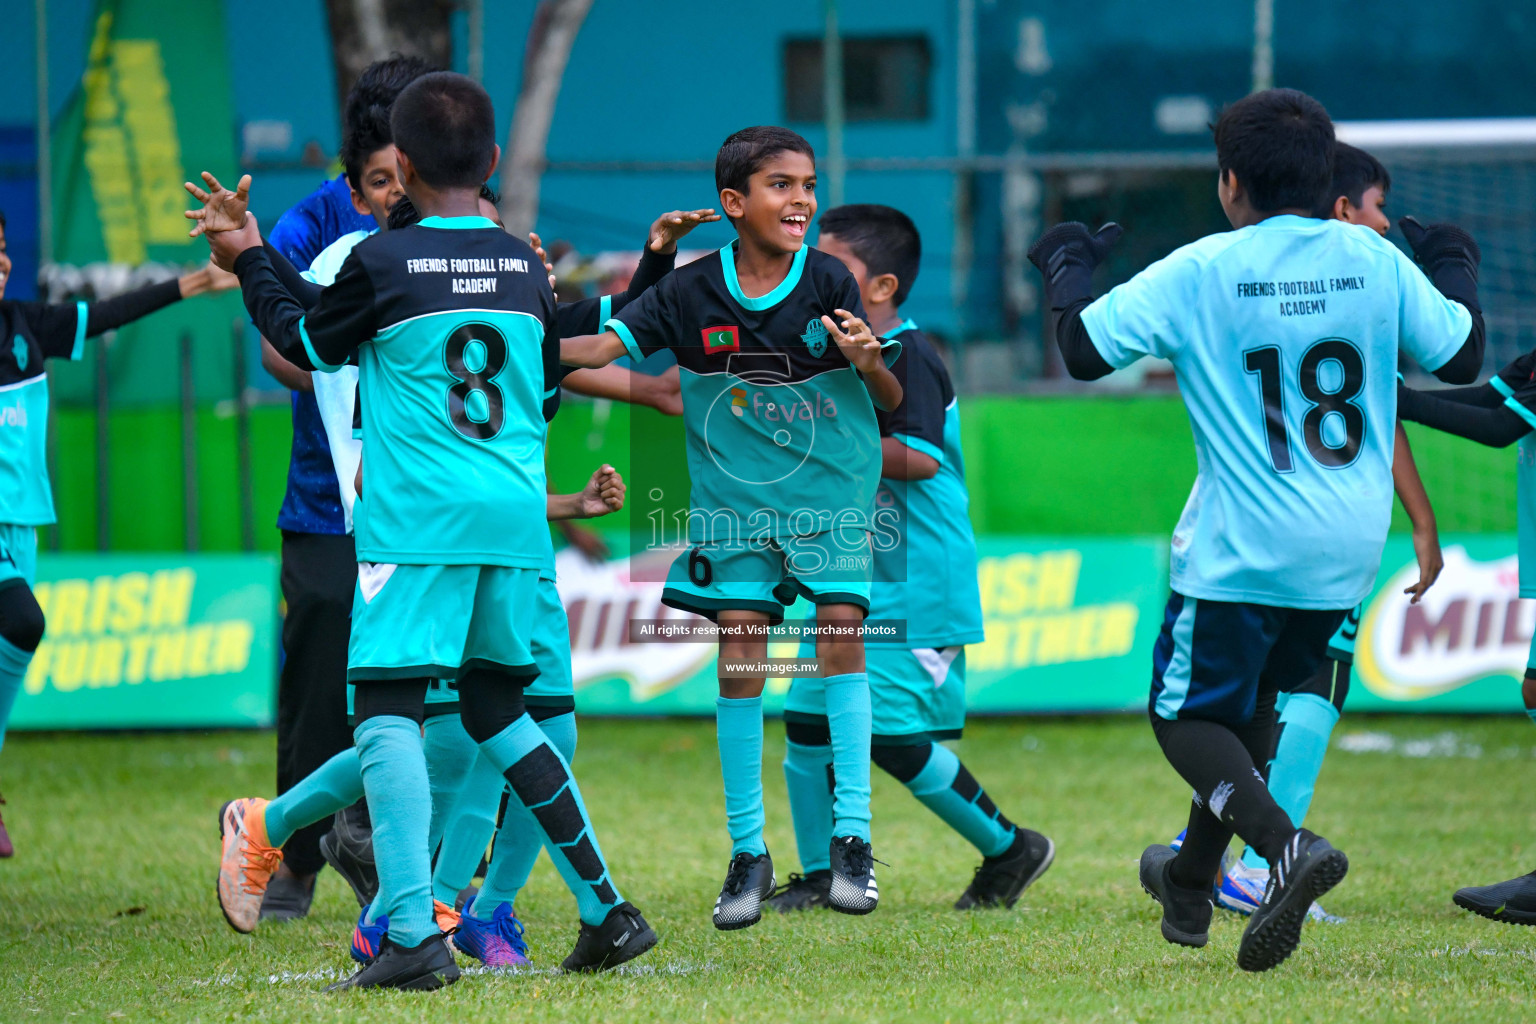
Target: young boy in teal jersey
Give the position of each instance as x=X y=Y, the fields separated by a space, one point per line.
x=466 y=788
x=1285 y=335
x=1309 y=711
x=784 y=460
x=926 y=582
x=31 y=333
x=455 y=327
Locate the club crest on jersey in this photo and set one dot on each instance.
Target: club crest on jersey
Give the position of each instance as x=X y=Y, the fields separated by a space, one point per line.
x=815 y=337
x=19 y=350
x=721 y=339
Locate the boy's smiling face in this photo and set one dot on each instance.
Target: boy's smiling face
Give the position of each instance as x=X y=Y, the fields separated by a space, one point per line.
x=779 y=203
x=381 y=188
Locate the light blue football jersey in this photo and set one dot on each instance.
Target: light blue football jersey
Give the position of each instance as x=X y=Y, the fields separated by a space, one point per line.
x=1284 y=337
x=925 y=551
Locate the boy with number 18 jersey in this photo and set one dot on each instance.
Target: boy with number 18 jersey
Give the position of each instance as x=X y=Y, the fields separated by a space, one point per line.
x=1284 y=334
x=780 y=380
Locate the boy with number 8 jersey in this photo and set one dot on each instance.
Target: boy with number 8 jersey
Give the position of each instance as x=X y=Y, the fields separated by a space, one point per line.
x=1284 y=334
x=455 y=328
x=780 y=379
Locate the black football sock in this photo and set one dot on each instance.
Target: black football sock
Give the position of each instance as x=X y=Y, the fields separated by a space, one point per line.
x=1224 y=773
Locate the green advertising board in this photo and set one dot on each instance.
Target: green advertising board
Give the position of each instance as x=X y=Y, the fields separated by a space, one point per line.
x=153 y=641
x=1070 y=626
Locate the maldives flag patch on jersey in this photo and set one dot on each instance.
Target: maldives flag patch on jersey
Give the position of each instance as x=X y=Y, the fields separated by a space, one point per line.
x=721 y=339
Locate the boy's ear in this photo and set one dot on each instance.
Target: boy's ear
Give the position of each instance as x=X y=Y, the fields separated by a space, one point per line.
x=1342 y=208
x=733 y=203
x=407 y=169
x=357 y=200
x=495 y=162
x=884 y=287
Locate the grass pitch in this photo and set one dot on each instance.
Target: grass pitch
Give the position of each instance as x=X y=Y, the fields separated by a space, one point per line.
x=108 y=910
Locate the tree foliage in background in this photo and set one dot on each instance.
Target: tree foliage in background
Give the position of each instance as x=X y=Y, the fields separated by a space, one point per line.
x=363 y=31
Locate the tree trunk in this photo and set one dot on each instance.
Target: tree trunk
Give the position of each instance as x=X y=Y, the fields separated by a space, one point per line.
x=549 y=48
x=363 y=31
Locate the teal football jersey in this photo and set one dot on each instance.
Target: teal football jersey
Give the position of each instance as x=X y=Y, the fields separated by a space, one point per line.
x=453 y=322
x=1284 y=337
x=925 y=551
x=781 y=432
x=33 y=332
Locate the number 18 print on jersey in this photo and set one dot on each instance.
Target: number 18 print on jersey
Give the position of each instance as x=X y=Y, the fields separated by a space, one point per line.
x=1284 y=336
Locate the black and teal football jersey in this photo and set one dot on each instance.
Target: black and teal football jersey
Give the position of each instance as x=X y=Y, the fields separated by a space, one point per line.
x=781 y=431
x=30 y=334
x=925 y=554
x=454 y=326
x=33 y=333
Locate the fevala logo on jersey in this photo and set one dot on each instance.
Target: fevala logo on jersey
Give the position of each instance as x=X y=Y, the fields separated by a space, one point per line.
x=725 y=338
x=19 y=350
x=815 y=337
x=1471 y=625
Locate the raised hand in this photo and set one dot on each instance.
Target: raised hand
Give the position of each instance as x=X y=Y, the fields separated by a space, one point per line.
x=857 y=342
x=222 y=210
x=669 y=227
x=538 y=250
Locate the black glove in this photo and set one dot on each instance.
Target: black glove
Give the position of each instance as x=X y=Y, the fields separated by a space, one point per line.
x=1436 y=245
x=1067 y=255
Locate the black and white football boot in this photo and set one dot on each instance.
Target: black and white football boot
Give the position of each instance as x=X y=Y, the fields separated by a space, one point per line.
x=748 y=884
x=853 y=889
x=1307 y=869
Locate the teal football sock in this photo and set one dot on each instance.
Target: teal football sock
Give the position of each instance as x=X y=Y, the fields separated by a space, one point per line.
x=946 y=788
x=335 y=785
x=467 y=829
x=808 y=775
x=1530 y=712
x=739 y=733
x=1306 y=724
x=542 y=784
x=13 y=670
x=450 y=756
x=467 y=838
x=848 y=720
x=400 y=803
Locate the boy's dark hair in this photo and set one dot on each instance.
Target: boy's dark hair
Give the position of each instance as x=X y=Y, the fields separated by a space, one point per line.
x=445 y=123
x=884 y=238
x=404 y=213
x=1279 y=143
x=745 y=152
x=365 y=116
x=1354 y=171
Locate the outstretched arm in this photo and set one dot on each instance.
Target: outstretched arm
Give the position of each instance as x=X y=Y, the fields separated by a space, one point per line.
x=625 y=385
x=1066 y=256
x=1486 y=419
x=591 y=350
